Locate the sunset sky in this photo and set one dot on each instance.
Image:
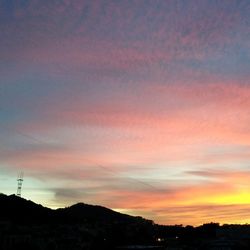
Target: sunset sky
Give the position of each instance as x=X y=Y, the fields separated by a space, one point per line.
x=140 y=106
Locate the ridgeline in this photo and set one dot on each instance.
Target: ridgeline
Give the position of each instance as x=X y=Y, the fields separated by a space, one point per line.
x=27 y=225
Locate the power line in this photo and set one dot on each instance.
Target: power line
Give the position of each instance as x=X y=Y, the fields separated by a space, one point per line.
x=111 y=171
x=130 y=178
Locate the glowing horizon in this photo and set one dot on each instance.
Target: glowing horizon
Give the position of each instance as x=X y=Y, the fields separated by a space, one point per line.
x=139 y=106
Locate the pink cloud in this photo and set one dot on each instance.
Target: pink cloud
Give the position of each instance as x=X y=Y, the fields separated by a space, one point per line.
x=181 y=125
x=182 y=113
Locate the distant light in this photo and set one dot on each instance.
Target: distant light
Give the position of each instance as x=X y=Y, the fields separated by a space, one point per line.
x=176 y=237
x=159 y=239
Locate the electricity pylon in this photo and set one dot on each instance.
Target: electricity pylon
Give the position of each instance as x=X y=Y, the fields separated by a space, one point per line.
x=19 y=184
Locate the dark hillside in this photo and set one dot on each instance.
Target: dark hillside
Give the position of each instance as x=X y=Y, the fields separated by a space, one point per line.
x=80 y=226
x=16 y=209
x=27 y=225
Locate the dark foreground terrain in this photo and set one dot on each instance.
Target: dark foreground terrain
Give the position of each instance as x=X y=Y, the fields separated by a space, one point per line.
x=27 y=225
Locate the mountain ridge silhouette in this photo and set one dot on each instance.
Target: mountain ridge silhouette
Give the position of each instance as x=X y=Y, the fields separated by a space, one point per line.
x=17 y=208
x=30 y=226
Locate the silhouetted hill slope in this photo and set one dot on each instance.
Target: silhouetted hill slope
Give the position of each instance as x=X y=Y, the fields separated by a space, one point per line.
x=90 y=226
x=17 y=209
x=27 y=225
x=81 y=211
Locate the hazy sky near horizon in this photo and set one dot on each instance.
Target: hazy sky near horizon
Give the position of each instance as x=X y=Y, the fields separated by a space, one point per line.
x=140 y=106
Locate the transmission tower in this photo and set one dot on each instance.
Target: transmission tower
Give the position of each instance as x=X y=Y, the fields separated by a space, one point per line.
x=19 y=184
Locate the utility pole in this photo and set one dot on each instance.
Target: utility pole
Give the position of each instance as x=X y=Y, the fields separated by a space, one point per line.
x=19 y=184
